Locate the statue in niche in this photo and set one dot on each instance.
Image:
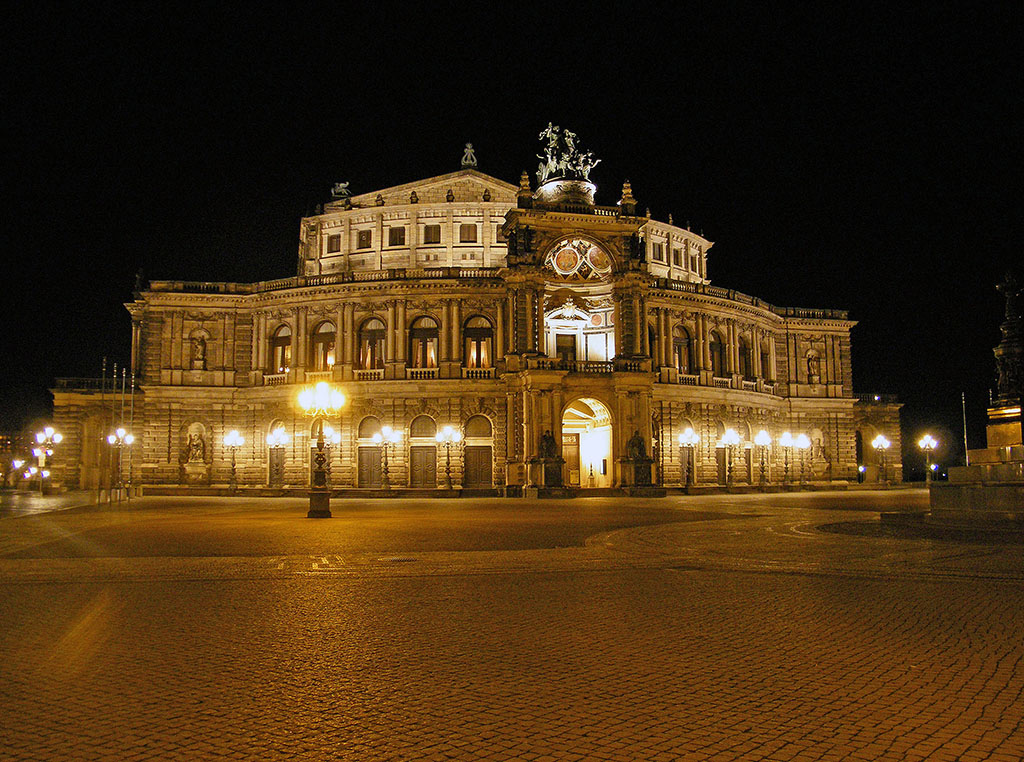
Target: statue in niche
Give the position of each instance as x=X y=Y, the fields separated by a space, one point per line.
x=547 y=448
x=813 y=368
x=198 y=353
x=635 y=449
x=195 y=450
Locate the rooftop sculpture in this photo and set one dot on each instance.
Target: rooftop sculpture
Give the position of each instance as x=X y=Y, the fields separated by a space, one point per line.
x=562 y=158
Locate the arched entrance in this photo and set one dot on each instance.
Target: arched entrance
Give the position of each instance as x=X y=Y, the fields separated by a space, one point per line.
x=587 y=443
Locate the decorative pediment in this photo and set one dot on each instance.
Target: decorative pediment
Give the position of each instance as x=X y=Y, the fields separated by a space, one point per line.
x=465 y=186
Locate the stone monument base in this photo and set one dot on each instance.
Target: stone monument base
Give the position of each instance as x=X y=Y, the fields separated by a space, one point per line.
x=195 y=474
x=319 y=504
x=990 y=489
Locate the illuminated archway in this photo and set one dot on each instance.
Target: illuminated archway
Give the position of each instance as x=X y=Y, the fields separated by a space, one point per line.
x=587 y=443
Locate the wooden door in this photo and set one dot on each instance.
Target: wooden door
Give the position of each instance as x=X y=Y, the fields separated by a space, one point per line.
x=478 y=466
x=571 y=453
x=369 y=467
x=423 y=467
x=277 y=466
x=722 y=456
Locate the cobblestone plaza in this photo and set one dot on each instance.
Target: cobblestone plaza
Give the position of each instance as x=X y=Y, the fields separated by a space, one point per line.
x=726 y=627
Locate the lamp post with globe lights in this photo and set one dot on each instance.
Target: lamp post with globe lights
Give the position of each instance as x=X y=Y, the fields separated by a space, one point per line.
x=387 y=439
x=803 y=444
x=448 y=437
x=688 y=440
x=881 y=445
x=233 y=440
x=786 y=441
x=46 y=440
x=319 y=402
x=730 y=439
x=928 y=443
x=120 y=439
x=333 y=439
x=763 y=440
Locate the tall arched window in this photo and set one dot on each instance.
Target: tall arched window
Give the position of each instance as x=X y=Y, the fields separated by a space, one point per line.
x=479 y=338
x=681 y=349
x=717 y=349
x=369 y=426
x=281 y=350
x=767 y=371
x=371 y=345
x=323 y=346
x=423 y=343
x=746 y=368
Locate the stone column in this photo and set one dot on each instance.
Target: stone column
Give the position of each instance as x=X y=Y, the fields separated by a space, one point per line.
x=755 y=338
x=348 y=312
x=444 y=332
x=401 y=332
x=456 y=344
x=389 y=334
x=499 y=330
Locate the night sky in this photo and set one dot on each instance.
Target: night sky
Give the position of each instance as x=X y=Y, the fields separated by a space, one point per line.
x=858 y=159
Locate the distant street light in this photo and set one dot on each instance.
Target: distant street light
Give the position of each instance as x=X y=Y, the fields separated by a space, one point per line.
x=786 y=440
x=233 y=440
x=803 y=444
x=319 y=402
x=448 y=437
x=881 y=445
x=928 y=444
x=688 y=440
x=46 y=440
x=387 y=438
x=120 y=439
x=763 y=440
x=730 y=439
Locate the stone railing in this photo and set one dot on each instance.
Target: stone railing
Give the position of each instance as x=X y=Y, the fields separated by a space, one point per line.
x=372 y=374
x=420 y=374
x=749 y=386
x=878 y=399
x=92 y=384
x=315 y=376
x=275 y=379
x=720 y=383
x=687 y=380
x=478 y=372
x=741 y=298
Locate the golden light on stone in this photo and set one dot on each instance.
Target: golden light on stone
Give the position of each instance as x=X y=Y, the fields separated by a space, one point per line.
x=321 y=399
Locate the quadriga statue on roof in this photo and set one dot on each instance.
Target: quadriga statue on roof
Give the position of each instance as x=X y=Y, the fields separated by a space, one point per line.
x=562 y=159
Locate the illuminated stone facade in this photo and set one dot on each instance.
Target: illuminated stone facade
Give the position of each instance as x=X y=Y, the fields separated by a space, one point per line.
x=515 y=315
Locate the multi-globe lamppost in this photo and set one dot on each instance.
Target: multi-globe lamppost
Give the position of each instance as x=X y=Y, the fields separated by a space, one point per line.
x=387 y=439
x=46 y=440
x=318 y=402
x=120 y=439
x=233 y=440
x=763 y=440
x=688 y=440
x=786 y=442
x=928 y=443
x=448 y=437
x=332 y=439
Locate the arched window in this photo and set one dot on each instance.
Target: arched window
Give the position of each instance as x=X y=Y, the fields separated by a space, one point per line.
x=681 y=349
x=371 y=345
x=479 y=338
x=478 y=427
x=323 y=346
x=281 y=350
x=423 y=343
x=717 y=349
x=369 y=426
x=422 y=426
x=746 y=368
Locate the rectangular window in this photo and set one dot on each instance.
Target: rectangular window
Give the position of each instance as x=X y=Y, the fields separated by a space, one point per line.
x=431 y=234
x=658 y=252
x=693 y=263
x=396 y=236
x=333 y=244
x=467 y=233
x=364 y=239
x=677 y=258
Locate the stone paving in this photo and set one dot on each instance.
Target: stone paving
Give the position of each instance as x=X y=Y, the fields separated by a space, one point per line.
x=781 y=627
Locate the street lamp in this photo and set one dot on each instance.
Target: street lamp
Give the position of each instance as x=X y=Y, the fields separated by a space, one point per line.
x=120 y=439
x=317 y=402
x=786 y=440
x=333 y=439
x=46 y=439
x=803 y=444
x=387 y=438
x=730 y=439
x=277 y=440
x=448 y=437
x=233 y=440
x=689 y=439
x=881 y=445
x=928 y=443
x=763 y=440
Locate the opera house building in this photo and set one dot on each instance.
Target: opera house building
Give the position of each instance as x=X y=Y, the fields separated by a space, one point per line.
x=486 y=336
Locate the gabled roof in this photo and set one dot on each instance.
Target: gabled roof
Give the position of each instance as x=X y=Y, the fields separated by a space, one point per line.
x=466 y=184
